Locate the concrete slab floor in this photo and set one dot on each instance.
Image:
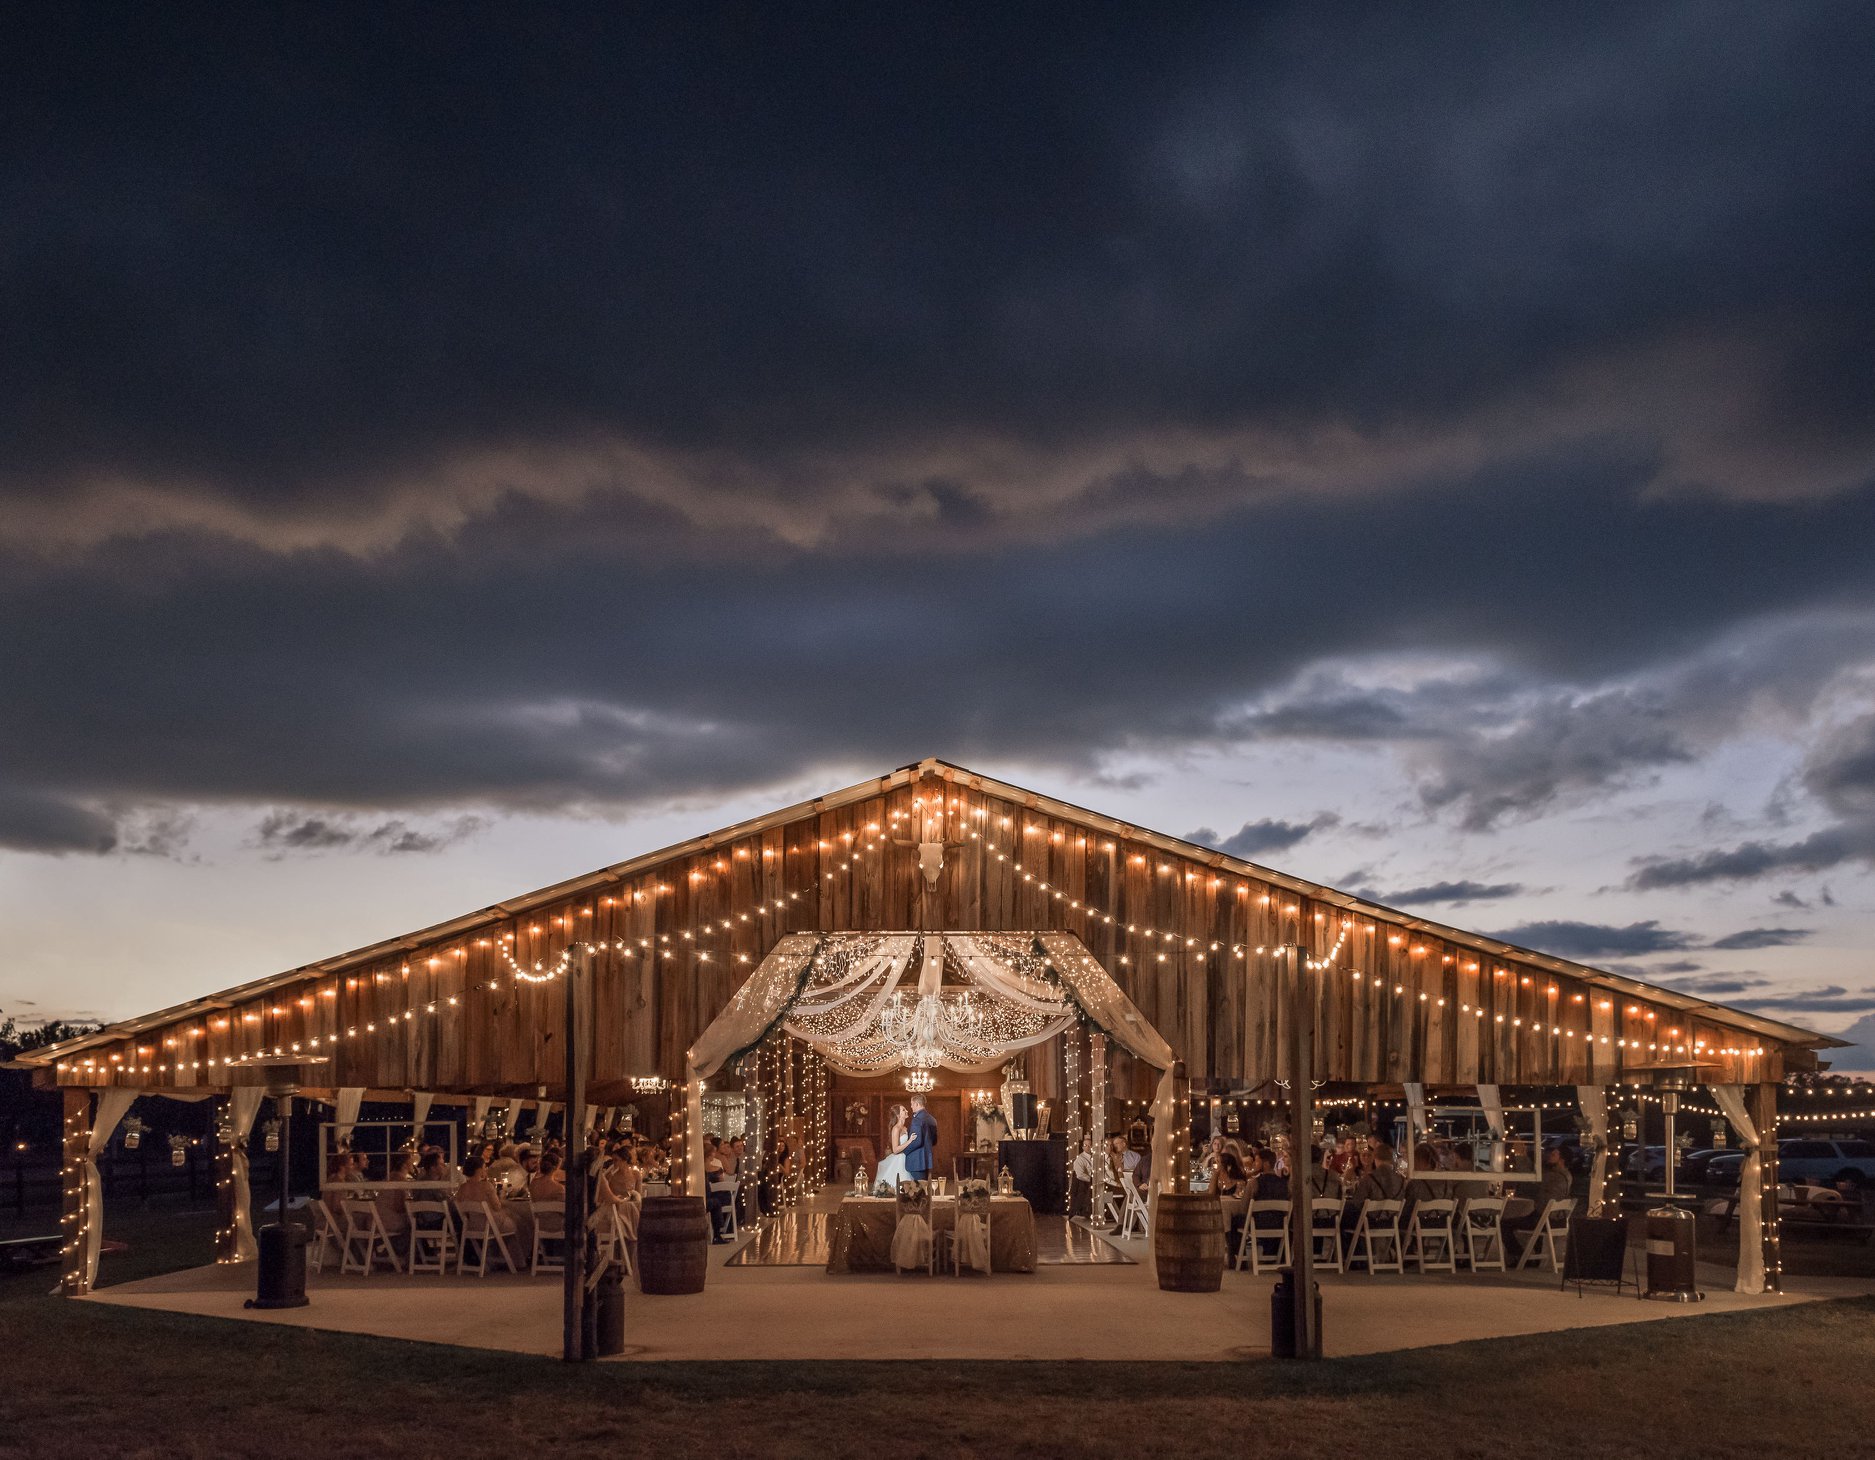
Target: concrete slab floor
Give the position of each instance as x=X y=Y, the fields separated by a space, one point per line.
x=1094 y=1313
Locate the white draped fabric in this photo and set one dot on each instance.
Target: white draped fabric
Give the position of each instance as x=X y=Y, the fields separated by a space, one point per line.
x=516 y=1109
x=479 y=1106
x=420 y=1103
x=1593 y=1100
x=1731 y=1101
x=831 y=990
x=113 y=1105
x=1415 y=1117
x=345 y=1114
x=243 y=1106
x=1493 y=1102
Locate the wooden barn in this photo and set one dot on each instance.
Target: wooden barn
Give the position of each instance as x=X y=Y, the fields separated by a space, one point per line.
x=467 y=1013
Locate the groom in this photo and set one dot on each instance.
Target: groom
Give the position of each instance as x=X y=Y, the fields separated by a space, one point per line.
x=923 y=1148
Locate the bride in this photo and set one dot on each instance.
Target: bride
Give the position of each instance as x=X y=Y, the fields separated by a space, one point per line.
x=892 y=1164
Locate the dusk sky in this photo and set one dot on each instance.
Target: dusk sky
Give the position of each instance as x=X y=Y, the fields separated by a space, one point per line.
x=1430 y=451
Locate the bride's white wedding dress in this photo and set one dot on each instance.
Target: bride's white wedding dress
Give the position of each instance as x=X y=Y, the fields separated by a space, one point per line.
x=891 y=1172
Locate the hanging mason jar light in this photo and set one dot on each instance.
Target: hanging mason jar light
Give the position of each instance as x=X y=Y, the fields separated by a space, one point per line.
x=178 y=1150
x=133 y=1133
x=271 y=1135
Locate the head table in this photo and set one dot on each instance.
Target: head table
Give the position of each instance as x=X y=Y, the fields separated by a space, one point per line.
x=861 y=1235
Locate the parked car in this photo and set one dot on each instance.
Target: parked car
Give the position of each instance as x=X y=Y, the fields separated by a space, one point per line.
x=1821 y=1162
x=1695 y=1166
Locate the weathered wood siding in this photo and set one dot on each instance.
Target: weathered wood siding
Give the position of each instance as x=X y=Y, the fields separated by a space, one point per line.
x=1179 y=930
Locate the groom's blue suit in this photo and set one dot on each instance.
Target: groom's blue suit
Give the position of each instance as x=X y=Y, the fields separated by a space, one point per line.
x=919 y=1155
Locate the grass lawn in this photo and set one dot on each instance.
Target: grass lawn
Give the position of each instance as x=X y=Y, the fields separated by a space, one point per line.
x=87 y=1380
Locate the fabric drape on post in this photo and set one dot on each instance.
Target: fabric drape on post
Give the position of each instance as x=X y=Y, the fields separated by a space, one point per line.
x=1106 y=1005
x=479 y=1106
x=1415 y=1118
x=1493 y=1102
x=420 y=1103
x=1731 y=1100
x=1593 y=1100
x=516 y=1109
x=345 y=1114
x=243 y=1106
x=113 y=1106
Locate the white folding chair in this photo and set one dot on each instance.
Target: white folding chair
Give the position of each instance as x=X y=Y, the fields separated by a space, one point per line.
x=1133 y=1222
x=366 y=1239
x=1106 y=1205
x=478 y=1227
x=1482 y=1223
x=1377 y=1236
x=730 y=1228
x=616 y=1227
x=1550 y=1235
x=326 y=1234
x=1267 y=1248
x=1429 y=1236
x=549 y=1228
x=432 y=1236
x=1325 y=1232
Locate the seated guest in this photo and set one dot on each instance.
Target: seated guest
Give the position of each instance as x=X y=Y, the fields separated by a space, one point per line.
x=1265 y=1183
x=504 y=1168
x=1377 y=1180
x=432 y=1167
x=476 y=1187
x=1081 y=1180
x=1424 y=1183
x=1341 y=1158
x=390 y=1203
x=1556 y=1184
x=719 y=1193
x=1214 y=1148
x=549 y=1181
x=528 y=1160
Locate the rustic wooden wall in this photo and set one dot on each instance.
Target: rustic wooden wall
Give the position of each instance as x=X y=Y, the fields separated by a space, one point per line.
x=1180 y=933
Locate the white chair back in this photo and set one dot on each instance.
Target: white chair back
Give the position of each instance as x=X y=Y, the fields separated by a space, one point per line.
x=1377 y=1237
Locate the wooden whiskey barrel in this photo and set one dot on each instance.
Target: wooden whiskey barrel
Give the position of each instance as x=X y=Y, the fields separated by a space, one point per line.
x=673 y=1244
x=1188 y=1242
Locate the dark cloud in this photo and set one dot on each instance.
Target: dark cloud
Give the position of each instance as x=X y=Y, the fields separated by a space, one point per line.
x=1840 y=773
x=1762 y=938
x=1789 y=899
x=589 y=414
x=1712 y=985
x=1254 y=838
x=1830 y=999
x=1456 y=893
x=1568 y=939
x=282 y=832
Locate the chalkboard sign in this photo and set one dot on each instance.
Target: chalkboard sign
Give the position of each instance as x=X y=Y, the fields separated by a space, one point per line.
x=1597 y=1251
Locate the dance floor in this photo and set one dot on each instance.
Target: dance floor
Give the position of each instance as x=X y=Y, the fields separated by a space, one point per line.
x=799 y=1239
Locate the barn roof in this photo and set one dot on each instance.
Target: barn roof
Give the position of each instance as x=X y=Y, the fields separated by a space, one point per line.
x=496 y=913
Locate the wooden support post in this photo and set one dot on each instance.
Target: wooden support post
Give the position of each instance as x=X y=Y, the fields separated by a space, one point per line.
x=76 y=1213
x=1301 y=1134
x=1763 y=1111
x=227 y=1234
x=577 y=1335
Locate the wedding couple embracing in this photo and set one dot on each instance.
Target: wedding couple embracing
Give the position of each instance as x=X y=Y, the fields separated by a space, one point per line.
x=910 y=1146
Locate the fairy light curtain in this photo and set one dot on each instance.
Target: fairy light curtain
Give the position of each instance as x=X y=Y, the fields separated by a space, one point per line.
x=974 y=1000
x=1731 y=1101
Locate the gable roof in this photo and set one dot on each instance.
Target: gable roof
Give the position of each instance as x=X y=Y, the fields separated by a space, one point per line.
x=496 y=913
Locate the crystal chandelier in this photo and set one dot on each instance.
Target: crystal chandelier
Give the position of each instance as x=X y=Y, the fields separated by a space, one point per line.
x=920 y=1082
x=928 y=1027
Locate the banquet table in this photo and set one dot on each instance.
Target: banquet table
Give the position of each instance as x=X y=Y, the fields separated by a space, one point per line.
x=860 y=1235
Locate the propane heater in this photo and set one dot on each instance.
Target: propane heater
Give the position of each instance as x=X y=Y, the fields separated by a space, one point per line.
x=1672 y=1253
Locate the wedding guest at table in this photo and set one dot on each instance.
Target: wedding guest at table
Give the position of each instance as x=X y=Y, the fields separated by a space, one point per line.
x=1081 y=1177
x=476 y=1187
x=719 y=1193
x=433 y=1166
x=1266 y=1183
x=522 y=1180
x=1213 y=1150
x=392 y=1214
x=505 y=1167
x=548 y=1183
x=1231 y=1183
x=1555 y=1184
x=1424 y=1183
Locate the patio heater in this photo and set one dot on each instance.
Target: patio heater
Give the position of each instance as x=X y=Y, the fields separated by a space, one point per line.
x=1672 y=1253
x=282 y=1277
